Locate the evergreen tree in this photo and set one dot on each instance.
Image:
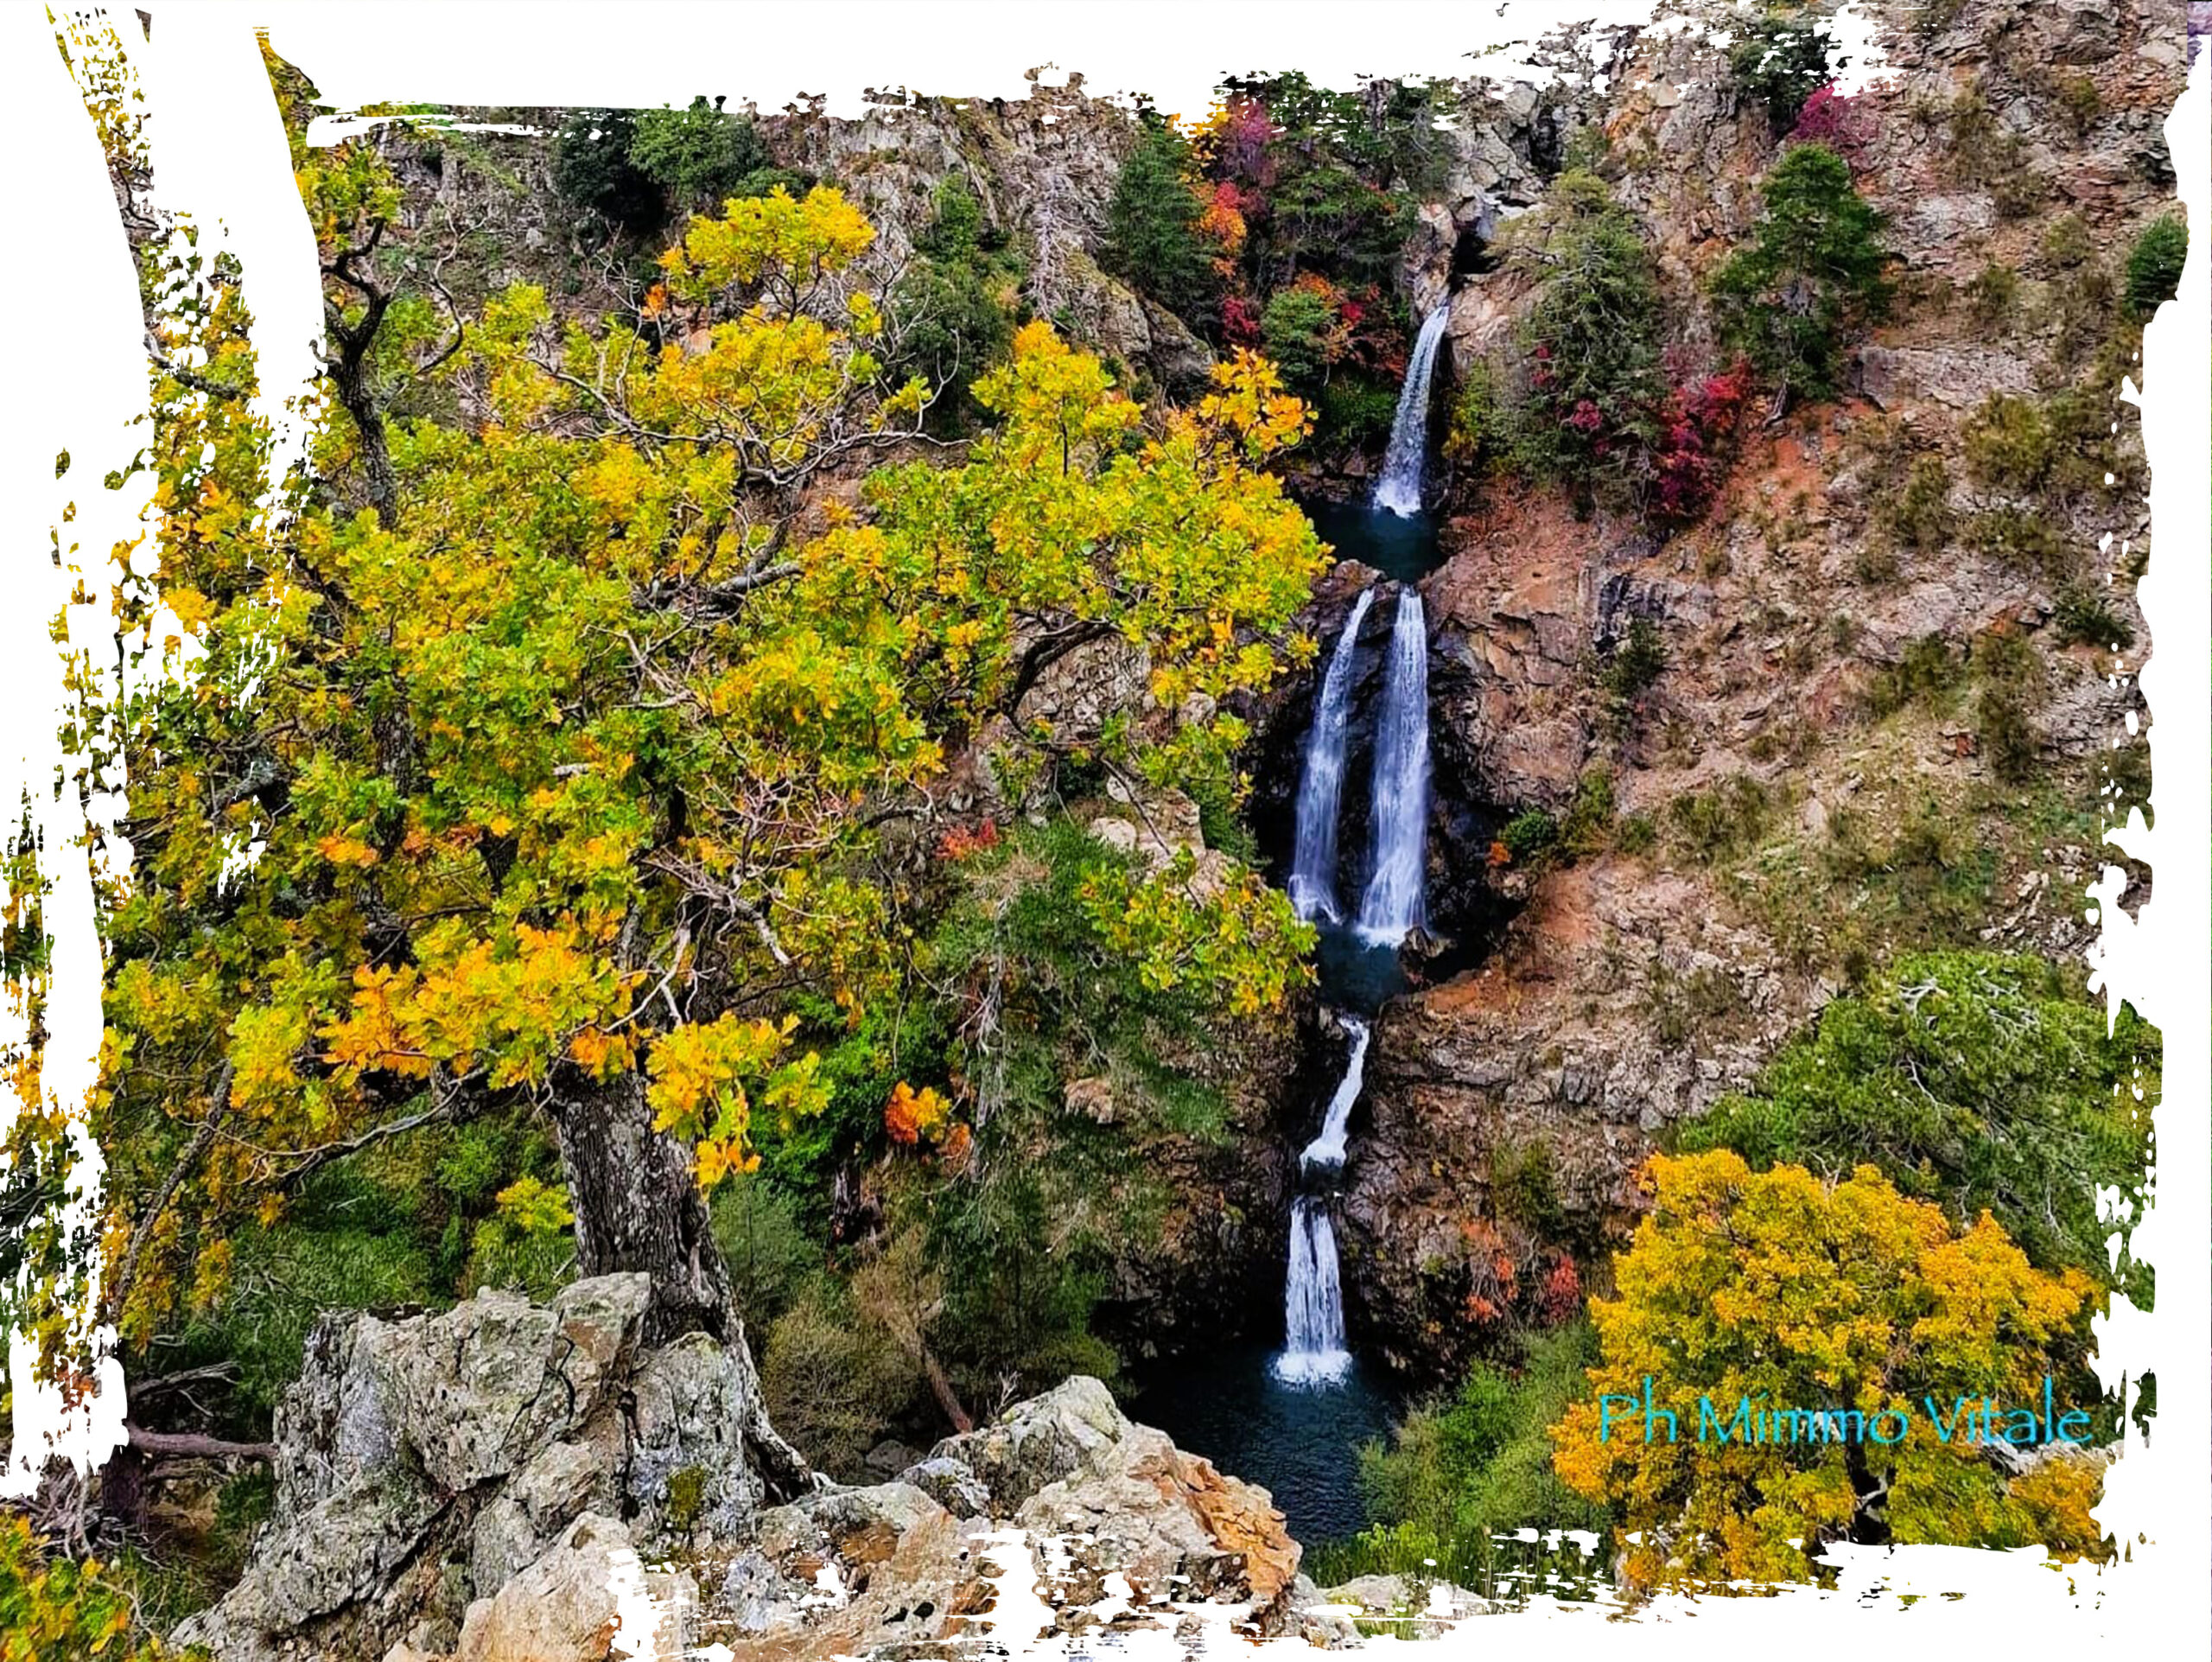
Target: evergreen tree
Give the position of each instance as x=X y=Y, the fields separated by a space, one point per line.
x=1813 y=272
x=1153 y=239
x=1594 y=338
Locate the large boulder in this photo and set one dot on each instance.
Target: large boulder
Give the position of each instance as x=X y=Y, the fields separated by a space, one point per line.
x=426 y=1464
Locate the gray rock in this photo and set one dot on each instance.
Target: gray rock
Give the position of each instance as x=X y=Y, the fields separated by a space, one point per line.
x=1073 y=1430
x=951 y=1483
x=428 y=1462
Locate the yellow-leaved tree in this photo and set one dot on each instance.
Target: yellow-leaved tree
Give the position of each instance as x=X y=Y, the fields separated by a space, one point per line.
x=552 y=774
x=1780 y=1291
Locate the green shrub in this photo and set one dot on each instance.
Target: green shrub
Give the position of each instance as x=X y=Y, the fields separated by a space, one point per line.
x=2067 y=242
x=2020 y=537
x=1589 y=823
x=2006 y=733
x=1729 y=819
x=2077 y=95
x=1636 y=662
x=1986 y=153
x=2011 y=674
x=1354 y=411
x=1524 y=1188
x=2154 y=264
x=1464 y=1469
x=1972 y=1078
x=1593 y=339
x=1919 y=516
x=1479 y=434
x=2008 y=443
x=1295 y=331
x=1530 y=835
x=698 y=155
x=592 y=169
x=1991 y=296
x=1925 y=668
x=950 y=324
x=759 y=1227
x=834 y=1384
x=2084 y=617
x=1813 y=273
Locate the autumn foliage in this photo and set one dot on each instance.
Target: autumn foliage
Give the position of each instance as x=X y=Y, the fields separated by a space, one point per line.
x=1779 y=1289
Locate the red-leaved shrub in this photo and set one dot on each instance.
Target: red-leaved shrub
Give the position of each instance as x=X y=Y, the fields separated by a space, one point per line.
x=1835 y=120
x=1696 y=429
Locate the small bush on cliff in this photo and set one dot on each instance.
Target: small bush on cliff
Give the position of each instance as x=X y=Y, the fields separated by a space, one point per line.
x=1697 y=430
x=834 y=1384
x=1479 y=434
x=1992 y=294
x=1986 y=153
x=2084 y=617
x=1529 y=835
x=1813 y=273
x=2010 y=675
x=1636 y=662
x=2155 y=263
x=1919 y=516
x=1723 y=822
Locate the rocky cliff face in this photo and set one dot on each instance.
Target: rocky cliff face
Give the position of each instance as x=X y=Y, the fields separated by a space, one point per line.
x=514 y=1482
x=1042 y=168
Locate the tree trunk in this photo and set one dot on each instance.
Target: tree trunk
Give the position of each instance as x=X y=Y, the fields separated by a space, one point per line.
x=638 y=1206
x=941 y=1388
x=349 y=380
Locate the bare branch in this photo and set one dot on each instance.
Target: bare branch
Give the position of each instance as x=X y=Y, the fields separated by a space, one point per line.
x=127 y=1272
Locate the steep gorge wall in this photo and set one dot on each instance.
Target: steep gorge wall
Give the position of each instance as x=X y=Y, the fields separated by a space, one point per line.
x=1639 y=983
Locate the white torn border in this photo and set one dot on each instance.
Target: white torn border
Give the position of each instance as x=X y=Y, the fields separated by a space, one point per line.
x=218 y=154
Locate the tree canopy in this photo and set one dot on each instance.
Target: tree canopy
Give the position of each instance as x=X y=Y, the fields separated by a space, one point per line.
x=1976 y=1080
x=1814 y=271
x=579 y=787
x=1783 y=1291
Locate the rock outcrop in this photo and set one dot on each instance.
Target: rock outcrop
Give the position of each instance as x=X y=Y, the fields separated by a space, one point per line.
x=516 y=1482
x=428 y=1462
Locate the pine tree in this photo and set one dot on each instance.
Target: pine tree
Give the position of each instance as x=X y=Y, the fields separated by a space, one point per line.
x=1813 y=273
x=1153 y=239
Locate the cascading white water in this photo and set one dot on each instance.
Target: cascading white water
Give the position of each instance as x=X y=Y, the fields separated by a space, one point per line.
x=1327 y=1148
x=1399 y=488
x=1313 y=863
x=1392 y=908
x=1313 y=1306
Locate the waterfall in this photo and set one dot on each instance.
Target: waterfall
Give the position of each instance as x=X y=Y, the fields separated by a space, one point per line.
x=1313 y=1306
x=1313 y=866
x=1399 y=489
x=1327 y=1148
x=1392 y=908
